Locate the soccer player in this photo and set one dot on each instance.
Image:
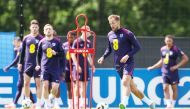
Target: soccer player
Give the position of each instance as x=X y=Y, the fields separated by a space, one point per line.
x=68 y=81
x=169 y=68
x=17 y=43
x=79 y=65
x=48 y=60
x=28 y=55
x=124 y=45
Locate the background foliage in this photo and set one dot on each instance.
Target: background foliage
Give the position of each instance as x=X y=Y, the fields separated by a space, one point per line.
x=143 y=17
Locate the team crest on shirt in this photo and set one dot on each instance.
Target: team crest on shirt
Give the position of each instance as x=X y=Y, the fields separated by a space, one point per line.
x=171 y=53
x=53 y=44
x=88 y=45
x=81 y=45
x=121 y=35
x=37 y=41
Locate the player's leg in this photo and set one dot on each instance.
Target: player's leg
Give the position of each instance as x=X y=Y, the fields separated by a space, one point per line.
x=69 y=94
x=166 y=84
x=38 y=92
x=141 y=95
x=126 y=90
x=174 y=80
x=45 y=92
x=57 y=96
x=126 y=73
x=83 y=93
x=175 y=93
x=26 y=87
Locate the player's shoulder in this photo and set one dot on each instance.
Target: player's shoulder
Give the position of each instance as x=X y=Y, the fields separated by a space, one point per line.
x=40 y=36
x=127 y=32
x=42 y=40
x=110 y=33
x=26 y=36
x=175 y=48
x=65 y=44
x=163 y=48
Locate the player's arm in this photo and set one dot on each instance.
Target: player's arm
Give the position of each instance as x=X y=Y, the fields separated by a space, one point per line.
x=39 y=56
x=157 y=65
x=89 y=58
x=74 y=58
x=184 y=60
x=135 y=43
x=22 y=54
x=15 y=61
x=106 y=53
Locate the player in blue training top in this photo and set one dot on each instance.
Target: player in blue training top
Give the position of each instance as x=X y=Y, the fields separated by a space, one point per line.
x=169 y=68
x=68 y=81
x=124 y=45
x=48 y=60
x=17 y=49
x=27 y=56
x=79 y=65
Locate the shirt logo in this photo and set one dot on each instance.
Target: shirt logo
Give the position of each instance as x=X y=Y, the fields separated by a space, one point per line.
x=121 y=35
x=37 y=41
x=53 y=44
x=171 y=53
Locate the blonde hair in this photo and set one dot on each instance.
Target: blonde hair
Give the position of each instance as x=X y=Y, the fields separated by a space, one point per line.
x=34 y=21
x=48 y=25
x=115 y=17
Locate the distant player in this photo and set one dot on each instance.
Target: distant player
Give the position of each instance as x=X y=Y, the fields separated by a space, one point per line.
x=28 y=56
x=48 y=60
x=79 y=65
x=169 y=68
x=124 y=45
x=66 y=46
x=17 y=48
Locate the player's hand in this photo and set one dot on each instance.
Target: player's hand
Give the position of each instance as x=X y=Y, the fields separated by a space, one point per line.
x=93 y=69
x=124 y=59
x=101 y=60
x=37 y=68
x=63 y=76
x=19 y=67
x=78 y=69
x=5 y=69
x=53 y=52
x=150 y=68
x=173 y=68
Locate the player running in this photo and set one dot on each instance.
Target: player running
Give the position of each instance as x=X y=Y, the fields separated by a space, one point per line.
x=124 y=45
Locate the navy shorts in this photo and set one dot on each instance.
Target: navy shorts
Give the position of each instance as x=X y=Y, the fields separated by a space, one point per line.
x=51 y=76
x=81 y=76
x=30 y=71
x=171 y=79
x=127 y=69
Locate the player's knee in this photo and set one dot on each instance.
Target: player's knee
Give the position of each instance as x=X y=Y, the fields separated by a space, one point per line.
x=26 y=84
x=166 y=89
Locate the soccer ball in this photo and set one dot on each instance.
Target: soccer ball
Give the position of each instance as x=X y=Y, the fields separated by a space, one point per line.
x=26 y=104
x=102 y=106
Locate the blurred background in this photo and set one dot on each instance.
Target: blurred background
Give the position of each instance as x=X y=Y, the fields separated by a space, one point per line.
x=150 y=20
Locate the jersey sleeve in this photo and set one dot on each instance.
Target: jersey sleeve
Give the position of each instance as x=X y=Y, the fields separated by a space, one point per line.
x=135 y=43
x=39 y=54
x=108 y=50
x=22 y=53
